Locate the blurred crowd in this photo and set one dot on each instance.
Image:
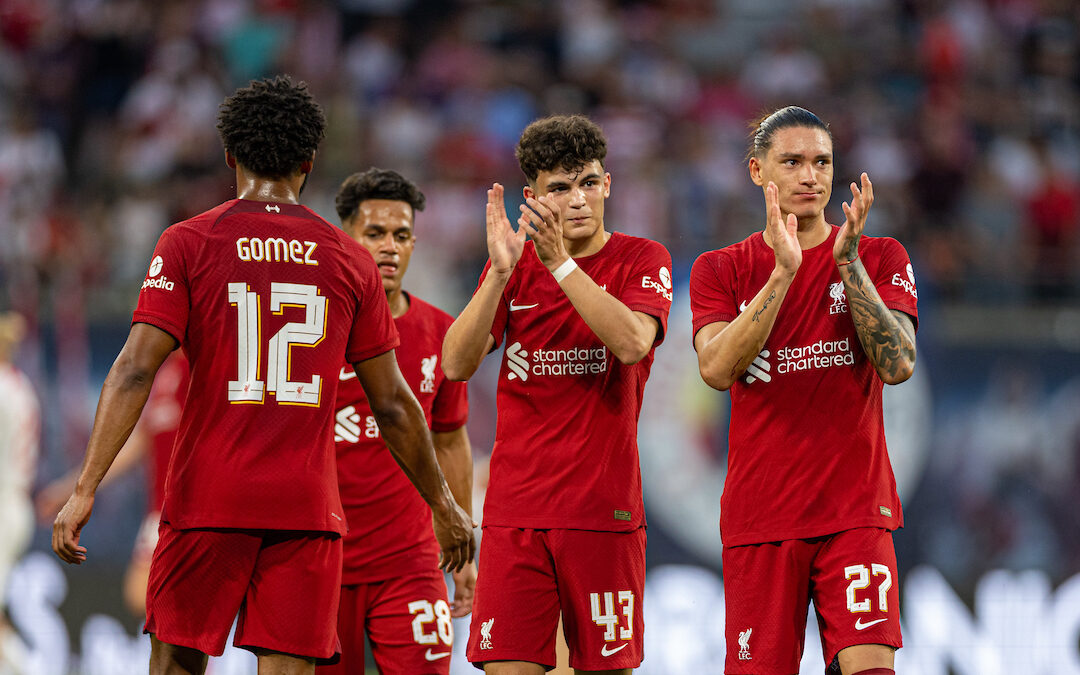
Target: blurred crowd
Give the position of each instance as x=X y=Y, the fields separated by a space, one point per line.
x=965 y=114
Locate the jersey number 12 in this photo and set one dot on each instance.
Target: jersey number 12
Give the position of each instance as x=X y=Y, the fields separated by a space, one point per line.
x=247 y=387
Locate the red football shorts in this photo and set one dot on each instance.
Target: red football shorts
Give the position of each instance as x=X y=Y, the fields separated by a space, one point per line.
x=407 y=620
x=285 y=586
x=851 y=577
x=526 y=577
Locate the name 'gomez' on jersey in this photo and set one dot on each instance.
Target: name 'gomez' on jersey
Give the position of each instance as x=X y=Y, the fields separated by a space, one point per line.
x=565 y=451
x=390 y=532
x=806 y=447
x=267 y=300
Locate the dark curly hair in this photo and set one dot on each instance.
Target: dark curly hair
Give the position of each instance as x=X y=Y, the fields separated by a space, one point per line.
x=559 y=142
x=765 y=127
x=376 y=183
x=271 y=126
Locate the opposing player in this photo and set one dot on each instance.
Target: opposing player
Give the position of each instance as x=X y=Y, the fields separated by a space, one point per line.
x=803 y=322
x=581 y=310
x=391 y=587
x=20 y=436
x=268 y=300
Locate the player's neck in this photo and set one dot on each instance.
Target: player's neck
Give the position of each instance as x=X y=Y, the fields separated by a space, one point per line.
x=813 y=232
x=399 y=303
x=579 y=248
x=259 y=189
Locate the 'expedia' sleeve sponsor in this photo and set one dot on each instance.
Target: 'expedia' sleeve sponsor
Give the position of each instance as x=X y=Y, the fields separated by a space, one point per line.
x=894 y=279
x=373 y=330
x=164 y=300
x=712 y=289
x=648 y=287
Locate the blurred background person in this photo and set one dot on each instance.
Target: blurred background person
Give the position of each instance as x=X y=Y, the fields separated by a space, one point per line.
x=20 y=426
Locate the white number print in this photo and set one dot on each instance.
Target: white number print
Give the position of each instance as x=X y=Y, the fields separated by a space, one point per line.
x=608 y=619
x=861 y=579
x=426 y=613
x=247 y=387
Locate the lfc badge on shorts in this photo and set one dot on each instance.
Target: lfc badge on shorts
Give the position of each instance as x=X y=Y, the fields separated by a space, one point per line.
x=485 y=633
x=744 y=644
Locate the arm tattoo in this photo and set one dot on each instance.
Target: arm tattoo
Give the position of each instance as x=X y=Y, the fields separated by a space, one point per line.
x=885 y=338
x=763 y=306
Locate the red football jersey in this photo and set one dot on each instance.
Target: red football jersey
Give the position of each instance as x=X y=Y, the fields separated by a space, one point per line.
x=806 y=447
x=566 y=453
x=390 y=533
x=267 y=300
x=161 y=417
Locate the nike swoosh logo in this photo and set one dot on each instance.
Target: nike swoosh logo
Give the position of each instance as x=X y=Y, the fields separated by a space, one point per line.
x=435 y=656
x=742 y=307
x=859 y=625
x=346 y=373
x=515 y=308
x=604 y=651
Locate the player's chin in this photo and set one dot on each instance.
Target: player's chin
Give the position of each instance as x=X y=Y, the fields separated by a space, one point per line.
x=579 y=229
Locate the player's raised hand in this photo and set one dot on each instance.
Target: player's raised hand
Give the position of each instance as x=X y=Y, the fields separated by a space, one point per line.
x=542 y=219
x=464 y=589
x=68 y=526
x=784 y=235
x=504 y=243
x=846 y=248
x=454 y=532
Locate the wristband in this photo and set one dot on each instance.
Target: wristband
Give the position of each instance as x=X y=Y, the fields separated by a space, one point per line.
x=563 y=270
x=848 y=262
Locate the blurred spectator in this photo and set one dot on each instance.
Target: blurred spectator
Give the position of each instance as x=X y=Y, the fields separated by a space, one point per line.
x=1052 y=221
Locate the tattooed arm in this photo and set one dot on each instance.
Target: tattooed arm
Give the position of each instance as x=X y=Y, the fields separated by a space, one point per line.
x=726 y=349
x=887 y=336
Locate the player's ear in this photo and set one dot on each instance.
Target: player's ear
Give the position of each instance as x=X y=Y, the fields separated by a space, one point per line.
x=607 y=184
x=754 y=166
x=528 y=192
x=230 y=161
x=308 y=164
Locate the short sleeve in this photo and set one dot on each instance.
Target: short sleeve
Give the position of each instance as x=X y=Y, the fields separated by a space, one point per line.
x=373 y=330
x=165 y=298
x=450 y=409
x=649 y=286
x=498 y=325
x=712 y=290
x=894 y=279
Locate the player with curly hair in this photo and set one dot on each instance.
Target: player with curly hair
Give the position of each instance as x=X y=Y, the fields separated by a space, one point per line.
x=581 y=310
x=391 y=587
x=267 y=299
